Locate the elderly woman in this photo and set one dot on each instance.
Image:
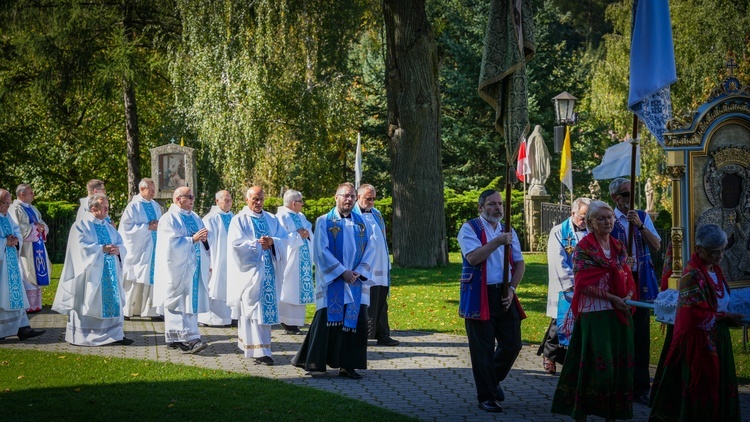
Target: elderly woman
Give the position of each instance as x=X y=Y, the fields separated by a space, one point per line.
x=597 y=378
x=699 y=380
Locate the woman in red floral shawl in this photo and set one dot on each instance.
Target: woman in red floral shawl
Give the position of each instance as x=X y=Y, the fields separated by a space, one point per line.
x=597 y=378
x=699 y=382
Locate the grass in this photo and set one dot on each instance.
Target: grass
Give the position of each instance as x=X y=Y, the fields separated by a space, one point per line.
x=53 y=386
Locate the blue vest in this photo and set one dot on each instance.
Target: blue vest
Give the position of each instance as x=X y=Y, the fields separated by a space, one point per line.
x=648 y=286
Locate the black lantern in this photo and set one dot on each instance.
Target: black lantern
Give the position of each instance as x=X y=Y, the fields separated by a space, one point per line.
x=564 y=109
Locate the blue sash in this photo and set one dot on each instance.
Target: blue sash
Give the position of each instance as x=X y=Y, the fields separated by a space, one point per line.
x=40 y=254
x=15 y=283
x=306 y=287
x=335 y=293
x=151 y=215
x=268 y=303
x=648 y=285
x=192 y=229
x=109 y=285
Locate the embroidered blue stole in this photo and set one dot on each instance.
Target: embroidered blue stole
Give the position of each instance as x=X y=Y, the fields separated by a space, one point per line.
x=226 y=218
x=268 y=304
x=192 y=228
x=568 y=240
x=335 y=293
x=15 y=283
x=151 y=215
x=40 y=255
x=648 y=287
x=109 y=286
x=306 y=287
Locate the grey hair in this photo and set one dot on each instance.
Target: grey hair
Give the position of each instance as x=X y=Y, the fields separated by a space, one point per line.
x=94 y=184
x=710 y=236
x=578 y=203
x=290 y=196
x=365 y=188
x=145 y=183
x=96 y=199
x=594 y=208
x=614 y=186
x=221 y=193
x=22 y=188
x=484 y=195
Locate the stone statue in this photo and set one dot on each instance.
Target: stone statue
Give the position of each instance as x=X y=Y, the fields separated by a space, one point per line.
x=538 y=156
x=594 y=189
x=649 y=196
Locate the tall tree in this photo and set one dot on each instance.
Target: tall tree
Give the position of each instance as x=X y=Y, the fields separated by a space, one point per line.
x=414 y=132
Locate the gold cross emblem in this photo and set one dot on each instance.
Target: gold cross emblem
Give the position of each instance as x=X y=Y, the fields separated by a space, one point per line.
x=335 y=229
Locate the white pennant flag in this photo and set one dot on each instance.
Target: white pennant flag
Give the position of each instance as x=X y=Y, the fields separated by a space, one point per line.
x=358 y=162
x=616 y=162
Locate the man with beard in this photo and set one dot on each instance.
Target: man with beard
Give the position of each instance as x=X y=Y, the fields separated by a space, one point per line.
x=493 y=320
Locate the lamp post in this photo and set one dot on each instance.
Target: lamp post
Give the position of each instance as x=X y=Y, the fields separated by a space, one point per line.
x=564 y=116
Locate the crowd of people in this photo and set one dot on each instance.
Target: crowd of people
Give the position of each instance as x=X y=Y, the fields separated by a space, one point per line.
x=255 y=269
x=251 y=271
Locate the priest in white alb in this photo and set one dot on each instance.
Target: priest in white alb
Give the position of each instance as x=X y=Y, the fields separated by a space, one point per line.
x=90 y=291
x=137 y=227
x=35 y=262
x=298 y=284
x=217 y=222
x=182 y=272
x=13 y=301
x=92 y=186
x=257 y=244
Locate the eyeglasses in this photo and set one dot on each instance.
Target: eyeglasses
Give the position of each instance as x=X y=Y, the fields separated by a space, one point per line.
x=190 y=197
x=300 y=202
x=603 y=218
x=714 y=252
x=369 y=199
x=624 y=194
x=5 y=202
x=346 y=196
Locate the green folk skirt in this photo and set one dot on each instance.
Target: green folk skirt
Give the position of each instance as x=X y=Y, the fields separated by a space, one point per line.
x=671 y=397
x=597 y=377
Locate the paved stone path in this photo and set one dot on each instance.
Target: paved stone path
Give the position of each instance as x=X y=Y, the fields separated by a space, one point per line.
x=428 y=376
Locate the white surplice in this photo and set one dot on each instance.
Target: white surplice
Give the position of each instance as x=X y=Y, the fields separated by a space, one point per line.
x=93 y=307
x=176 y=264
x=13 y=301
x=137 y=264
x=296 y=293
x=248 y=285
x=219 y=312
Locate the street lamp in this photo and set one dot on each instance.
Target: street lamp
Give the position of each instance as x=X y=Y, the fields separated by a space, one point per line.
x=564 y=116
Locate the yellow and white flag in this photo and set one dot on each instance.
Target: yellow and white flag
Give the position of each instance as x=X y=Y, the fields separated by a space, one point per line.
x=566 y=166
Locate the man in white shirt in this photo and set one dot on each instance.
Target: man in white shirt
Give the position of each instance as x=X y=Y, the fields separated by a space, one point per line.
x=217 y=222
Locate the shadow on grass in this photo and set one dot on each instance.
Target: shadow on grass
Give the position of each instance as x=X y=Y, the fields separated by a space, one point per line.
x=90 y=388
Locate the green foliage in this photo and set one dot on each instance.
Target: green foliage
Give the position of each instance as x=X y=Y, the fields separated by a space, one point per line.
x=663 y=220
x=57 y=209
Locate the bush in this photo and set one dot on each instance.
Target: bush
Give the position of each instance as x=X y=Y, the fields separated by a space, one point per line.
x=663 y=220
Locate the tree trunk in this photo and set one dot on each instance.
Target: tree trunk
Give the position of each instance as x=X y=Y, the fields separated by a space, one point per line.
x=419 y=238
x=132 y=136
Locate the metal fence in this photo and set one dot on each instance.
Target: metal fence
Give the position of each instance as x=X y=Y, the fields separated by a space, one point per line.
x=552 y=215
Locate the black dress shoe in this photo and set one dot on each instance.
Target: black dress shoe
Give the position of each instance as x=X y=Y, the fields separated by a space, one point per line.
x=157 y=318
x=25 y=333
x=387 y=341
x=264 y=360
x=490 y=406
x=291 y=329
x=349 y=373
x=125 y=341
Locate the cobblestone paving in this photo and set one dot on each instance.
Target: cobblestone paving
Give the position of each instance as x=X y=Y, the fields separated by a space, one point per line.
x=428 y=376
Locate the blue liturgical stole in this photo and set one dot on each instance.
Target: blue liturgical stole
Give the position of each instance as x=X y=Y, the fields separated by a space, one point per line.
x=109 y=286
x=192 y=229
x=306 y=287
x=268 y=304
x=15 y=283
x=40 y=255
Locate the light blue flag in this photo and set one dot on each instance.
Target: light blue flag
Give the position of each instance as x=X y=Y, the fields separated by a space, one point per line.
x=652 y=66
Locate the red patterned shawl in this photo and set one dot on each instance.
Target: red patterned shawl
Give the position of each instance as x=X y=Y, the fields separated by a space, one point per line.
x=590 y=266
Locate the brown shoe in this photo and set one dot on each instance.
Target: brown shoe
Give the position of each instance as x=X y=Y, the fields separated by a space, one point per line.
x=549 y=366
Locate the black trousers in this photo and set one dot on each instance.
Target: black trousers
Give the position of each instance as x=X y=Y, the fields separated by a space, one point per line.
x=550 y=347
x=641 y=348
x=377 y=312
x=493 y=345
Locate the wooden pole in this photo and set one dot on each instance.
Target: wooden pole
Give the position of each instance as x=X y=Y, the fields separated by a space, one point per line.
x=634 y=142
x=506 y=255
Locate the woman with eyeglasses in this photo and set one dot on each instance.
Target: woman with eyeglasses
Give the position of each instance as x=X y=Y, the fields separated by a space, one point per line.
x=699 y=380
x=597 y=377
